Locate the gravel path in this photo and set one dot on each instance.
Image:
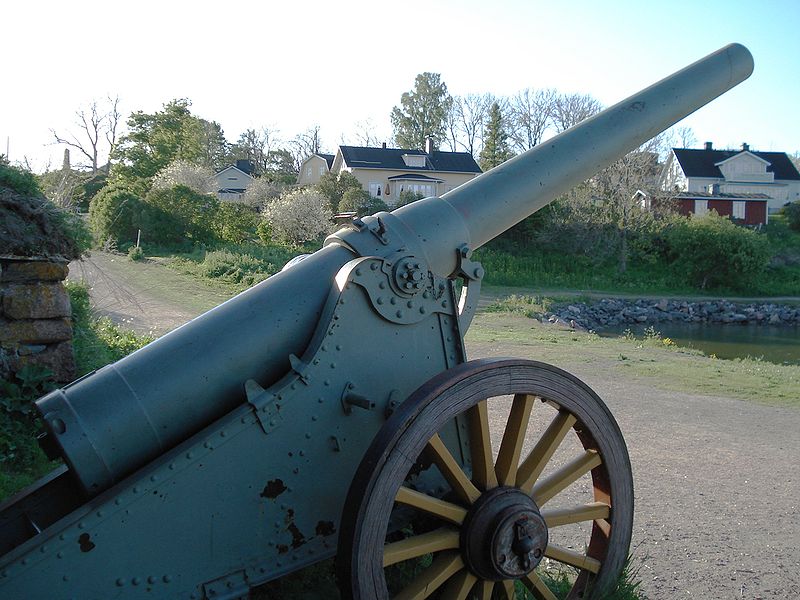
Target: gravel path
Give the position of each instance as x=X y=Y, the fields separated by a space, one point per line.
x=717 y=480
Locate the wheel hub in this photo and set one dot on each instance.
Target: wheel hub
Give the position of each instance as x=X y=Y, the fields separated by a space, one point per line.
x=504 y=536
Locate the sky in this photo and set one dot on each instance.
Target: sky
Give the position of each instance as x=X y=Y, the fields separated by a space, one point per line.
x=291 y=65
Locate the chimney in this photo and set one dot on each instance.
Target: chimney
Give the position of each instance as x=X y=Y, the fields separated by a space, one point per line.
x=245 y=165
x=745 y=147
x=65 y=166
x=709 y=146
x=383 y=145
x=428 y=145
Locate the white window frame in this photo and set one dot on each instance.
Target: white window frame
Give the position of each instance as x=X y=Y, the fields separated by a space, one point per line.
x=375 y=189
x=738 y=211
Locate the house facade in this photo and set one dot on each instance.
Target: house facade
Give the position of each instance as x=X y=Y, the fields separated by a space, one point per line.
x=313 y=168
x=233 y=181
x=386 y=172
x=745 y=184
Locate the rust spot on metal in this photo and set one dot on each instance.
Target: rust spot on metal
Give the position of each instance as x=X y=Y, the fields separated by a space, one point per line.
x=273 y=489
x=298 y=539
x=283 y=548
x=325 y=528
x=638 y=106
x=85 y=543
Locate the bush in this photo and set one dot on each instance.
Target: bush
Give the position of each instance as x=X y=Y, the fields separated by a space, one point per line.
x=172 y=215
x=360 y=201
x=19 y=180
x=299 y=216
x=792 y=213
x=714 y=252
x=407 y=197
x=115 y=214
x=19 y=422
x=135 y=253
x=180 y=172
x=235 y=223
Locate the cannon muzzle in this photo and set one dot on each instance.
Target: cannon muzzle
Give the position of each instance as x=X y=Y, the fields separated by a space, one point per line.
x=116 y=420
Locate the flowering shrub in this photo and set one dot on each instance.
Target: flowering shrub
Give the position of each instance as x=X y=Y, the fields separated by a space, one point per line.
x=299 y=216
x=196 y=178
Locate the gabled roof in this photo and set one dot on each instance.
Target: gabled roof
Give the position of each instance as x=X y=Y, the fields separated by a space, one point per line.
x=328 y=158
x=358 y=157
x=703 y=163
x=235 y=168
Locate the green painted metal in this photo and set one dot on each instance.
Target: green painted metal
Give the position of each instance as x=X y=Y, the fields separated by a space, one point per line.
x=219 y=456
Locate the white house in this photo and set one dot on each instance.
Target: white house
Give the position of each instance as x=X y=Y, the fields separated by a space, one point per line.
x=232 y=181
x=743 y=175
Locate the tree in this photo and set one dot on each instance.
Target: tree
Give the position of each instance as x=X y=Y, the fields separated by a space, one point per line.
x=261 y=192
x=176 y=214
x=195 y=177
x=97 y=124
x=531 y=115
x=215 y=149
x=495 y=140
x=304 y=145
x=115 y=214
x=334 y=185
x=422 y=112
x=172 y=134
x=281 y=167
x=254 y=145
x=465 y=121
x=571 y=109
x=361 y=202
x=299 y=216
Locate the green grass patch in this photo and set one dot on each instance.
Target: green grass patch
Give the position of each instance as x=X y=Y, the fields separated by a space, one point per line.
x=650 y=358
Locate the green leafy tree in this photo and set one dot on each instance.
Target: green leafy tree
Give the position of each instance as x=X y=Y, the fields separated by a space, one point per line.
x=235 y=223
x=407 y=197
x=361 y=202
x=172 y=134
x=280 y=167
x=495 y=141
x=334 y=185
x=422 y=112
x=792 y=212
x=714 y=252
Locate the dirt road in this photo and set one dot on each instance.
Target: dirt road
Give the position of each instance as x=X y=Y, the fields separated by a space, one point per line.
x=717 y=480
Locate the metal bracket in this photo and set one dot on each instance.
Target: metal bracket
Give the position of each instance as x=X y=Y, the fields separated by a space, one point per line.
x=264 y=406
x=299 y=367
x=232 y=586
x=471 y=273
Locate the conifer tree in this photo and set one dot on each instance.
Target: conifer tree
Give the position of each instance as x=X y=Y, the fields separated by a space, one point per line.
x=495 y=141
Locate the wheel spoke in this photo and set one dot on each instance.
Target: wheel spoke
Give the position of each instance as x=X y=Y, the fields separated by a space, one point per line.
x=451 y=470
x=433 y=506
x=485 y=589
x=576 y=514
x=459 y=586
x=565 y=476
x=542 y=452
x=513 y=438
x=572 y=558
x=480 y=443
x=424 y=584
x=420 y=545
x=508 y=589
x=538 y=587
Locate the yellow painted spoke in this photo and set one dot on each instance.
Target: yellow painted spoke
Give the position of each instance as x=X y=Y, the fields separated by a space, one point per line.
x=451 y=470
x=508 y=589
x=513 y=438
x=480 y=443
x=576 y=514
x=538 y=587
x=485 y=589
x=572 y=558
x=433 y=506
x=419 y=545
x=542 y=452
x=427 y=582
x=565 y=476
x=459 y=586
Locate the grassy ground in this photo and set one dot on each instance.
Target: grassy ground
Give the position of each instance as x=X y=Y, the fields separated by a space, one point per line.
x=656 y=361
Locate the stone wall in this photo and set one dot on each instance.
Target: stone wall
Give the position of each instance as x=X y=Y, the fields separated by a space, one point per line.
x=35 y=326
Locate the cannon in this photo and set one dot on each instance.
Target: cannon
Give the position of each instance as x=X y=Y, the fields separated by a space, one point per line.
x=331 y=411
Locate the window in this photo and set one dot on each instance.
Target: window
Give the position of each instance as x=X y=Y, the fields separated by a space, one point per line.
x=375 y=189
x=308 y=172
x=414 y=160
x=738 y=210
x=700 y=207
x=321 y=171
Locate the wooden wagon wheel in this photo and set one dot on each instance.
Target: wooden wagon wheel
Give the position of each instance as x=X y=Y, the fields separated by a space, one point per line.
x=497 y=522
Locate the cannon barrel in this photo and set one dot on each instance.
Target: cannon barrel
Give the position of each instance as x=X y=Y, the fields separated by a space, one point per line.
x=115 y=420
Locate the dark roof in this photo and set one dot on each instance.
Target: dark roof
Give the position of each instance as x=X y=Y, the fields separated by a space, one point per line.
x=722 y=196
x=702 y=163
x=392 y=158
x=414 y=176
x=328 y=158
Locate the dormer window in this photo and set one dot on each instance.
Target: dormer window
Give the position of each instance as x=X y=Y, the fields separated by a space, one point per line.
x=414 y=160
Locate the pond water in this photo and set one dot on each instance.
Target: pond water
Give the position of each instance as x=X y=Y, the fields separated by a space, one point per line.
x=779 y=345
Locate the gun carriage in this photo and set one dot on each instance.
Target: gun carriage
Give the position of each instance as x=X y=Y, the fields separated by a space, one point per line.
x=331 y=410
